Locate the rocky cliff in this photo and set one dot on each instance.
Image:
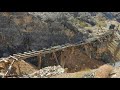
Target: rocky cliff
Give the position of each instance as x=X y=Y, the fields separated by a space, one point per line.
x=25 y=31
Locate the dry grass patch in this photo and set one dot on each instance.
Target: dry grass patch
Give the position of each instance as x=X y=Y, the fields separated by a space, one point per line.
x=18 y=21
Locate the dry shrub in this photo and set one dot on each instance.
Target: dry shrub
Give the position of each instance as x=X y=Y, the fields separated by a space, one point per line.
x=69 y=33
x=27 y=19
x=18 y=21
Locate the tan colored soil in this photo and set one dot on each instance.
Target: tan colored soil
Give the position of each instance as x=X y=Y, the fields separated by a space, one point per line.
x=24 y=67
x=76 y=61
x=19 y=67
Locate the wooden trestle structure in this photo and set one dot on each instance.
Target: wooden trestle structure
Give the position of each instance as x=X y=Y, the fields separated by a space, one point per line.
x=107 y=37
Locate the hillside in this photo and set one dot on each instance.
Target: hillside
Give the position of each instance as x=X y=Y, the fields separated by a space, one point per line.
x=24 y=31
x=23 y=34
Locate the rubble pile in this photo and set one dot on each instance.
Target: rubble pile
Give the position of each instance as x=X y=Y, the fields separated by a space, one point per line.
x=47 y=72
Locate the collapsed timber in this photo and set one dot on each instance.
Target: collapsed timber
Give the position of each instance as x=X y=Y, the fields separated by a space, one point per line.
x=98 y=45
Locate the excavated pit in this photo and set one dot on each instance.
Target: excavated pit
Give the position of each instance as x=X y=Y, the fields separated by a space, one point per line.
x=73 y=58
x=86 y=56
x=76 y=58
x=17 y=36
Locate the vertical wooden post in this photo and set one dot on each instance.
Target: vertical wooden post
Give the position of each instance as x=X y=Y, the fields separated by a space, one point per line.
x=62 y=61
x=87 y=50
x=9 y=69
x=117 y=50
x=55 y=58
x=72 y=51
x=39 y=60
x=19 y=68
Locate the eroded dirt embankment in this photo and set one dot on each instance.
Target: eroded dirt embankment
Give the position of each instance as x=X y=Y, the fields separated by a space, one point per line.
x=75 y=58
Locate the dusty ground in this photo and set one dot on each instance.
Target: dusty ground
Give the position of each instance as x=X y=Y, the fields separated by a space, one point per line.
x=71 y=75
x=101 y=72
x=79 y=61
x=24 y=67
x=19 y=67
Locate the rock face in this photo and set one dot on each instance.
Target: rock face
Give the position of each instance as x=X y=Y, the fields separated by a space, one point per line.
x=24 y=31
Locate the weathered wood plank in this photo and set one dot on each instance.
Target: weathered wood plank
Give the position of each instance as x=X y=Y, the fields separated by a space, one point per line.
x=9 y=69
x=55 y=58
x=62 y=61
x=39 y=60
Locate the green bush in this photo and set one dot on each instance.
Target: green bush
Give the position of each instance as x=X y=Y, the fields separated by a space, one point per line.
x=79 y=22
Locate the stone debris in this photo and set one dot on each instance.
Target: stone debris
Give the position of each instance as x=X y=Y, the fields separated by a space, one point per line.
x=89 y=75
x=47 y=72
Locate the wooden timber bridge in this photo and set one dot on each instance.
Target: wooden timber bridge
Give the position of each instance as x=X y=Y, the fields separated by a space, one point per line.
x=108 y=38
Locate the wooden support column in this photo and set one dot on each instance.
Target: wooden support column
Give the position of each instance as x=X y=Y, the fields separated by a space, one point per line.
x=39 y=60
x=19 y=68
x=107 y=43
x=112 y=36
x=9 y=69
x=88 y=50
x=71 y=52
x=117 y=50
x=55 y=58
x=62 y=61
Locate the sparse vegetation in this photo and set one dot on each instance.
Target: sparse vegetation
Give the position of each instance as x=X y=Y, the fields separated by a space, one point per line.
x=29 y=31
x=80 y=23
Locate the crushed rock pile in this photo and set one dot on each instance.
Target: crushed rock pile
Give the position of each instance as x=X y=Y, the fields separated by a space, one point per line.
x=47 y=72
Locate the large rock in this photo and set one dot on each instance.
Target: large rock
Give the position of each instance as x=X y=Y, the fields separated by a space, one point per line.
x=103 y=71
x=48 y=72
